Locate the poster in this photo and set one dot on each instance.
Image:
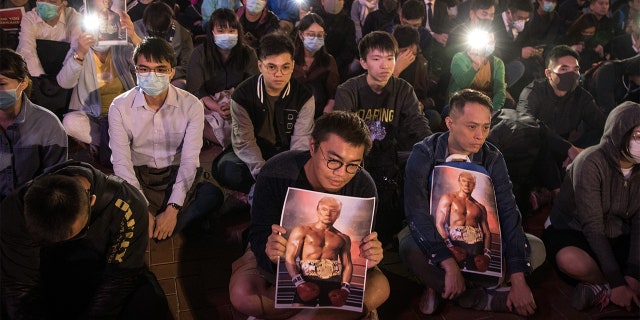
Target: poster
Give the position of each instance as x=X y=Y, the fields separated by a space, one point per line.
x=463 y=205
x=102 y=19
x=321 y=267
x=10 y=18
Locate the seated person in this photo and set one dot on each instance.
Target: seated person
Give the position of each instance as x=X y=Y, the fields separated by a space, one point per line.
x=432 y=255
x=257 y=21
x=412 y=66
x=157 y=21
x=391 y=109
x=580 y=37
x=614 y=82
x=341 y=35
x=591 y=238
x=73 y=247
x=315 y=67
x=270 y=113
x=135 y=8
x=566 y=108
x=627 y=45
x=33 y=139
x=215 y=69
x=50 y=20
x=477 y=68
x=359 y=12
x=381 y=19
x=333 y=164
x=287 y=12
x=156 y=137
x=97 y=74
x=209 y=6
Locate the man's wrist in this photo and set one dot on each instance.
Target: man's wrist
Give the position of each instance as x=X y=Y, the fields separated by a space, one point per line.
x=174 y=206
x=346 y=286
x=297 y=280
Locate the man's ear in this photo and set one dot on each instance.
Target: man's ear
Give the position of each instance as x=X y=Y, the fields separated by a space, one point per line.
x=93 y=199
x=547 y=73
x=363 y=64
x=448 y=121
x=312 y=145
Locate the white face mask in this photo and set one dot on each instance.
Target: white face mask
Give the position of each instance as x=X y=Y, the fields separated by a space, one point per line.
x=634 y=151
x=255 y=6
x=519 y=25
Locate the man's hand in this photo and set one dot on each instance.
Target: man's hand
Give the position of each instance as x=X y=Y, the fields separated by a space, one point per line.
x=633 y=284
x=520 y=299
x=371 y=249
x=165 y=223
x=152 y=223
x=599 y=50
x=441 y=38
x=404 y=59
x=458 y=253
x=453 y=280
x=623 y=296
x=276 y=243
x=578 y=47
x=85 y=41
x=528 y=52
x=127 y=25
x=477 y=61
x=572 y=153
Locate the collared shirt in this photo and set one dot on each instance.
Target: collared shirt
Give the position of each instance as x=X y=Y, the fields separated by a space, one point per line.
x=172 y=135
x=33 y=28
x=34 y=142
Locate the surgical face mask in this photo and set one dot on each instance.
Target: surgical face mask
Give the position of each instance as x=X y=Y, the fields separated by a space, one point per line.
x=487 y=50
x=153 y=84
x=8 y=98
x=226 y=41
x=567 y=81
x=634 y=151
x=548 y=6
x=313 y=44
x=519 y=25
x=333 y=6
x=101 y=48
x=255 y=6
x=47 y=11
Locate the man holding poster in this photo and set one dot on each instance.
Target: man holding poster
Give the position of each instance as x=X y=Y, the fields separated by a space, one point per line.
x=333 y=164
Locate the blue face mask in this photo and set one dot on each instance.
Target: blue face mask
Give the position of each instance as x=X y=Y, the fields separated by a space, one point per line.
x=313 y=44
x=8 y=99
x=153 y=84
x=548 y=6
x=226 y=41
x=47 y=11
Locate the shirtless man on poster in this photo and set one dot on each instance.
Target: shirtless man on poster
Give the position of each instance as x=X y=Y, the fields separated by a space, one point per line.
x=467 y=234
x=324 y=274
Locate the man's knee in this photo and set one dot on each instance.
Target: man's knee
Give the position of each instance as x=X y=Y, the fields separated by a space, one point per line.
x=538 y=251
x=77 y=125
x=246 y=297
x=575 y=261
x=377 y=289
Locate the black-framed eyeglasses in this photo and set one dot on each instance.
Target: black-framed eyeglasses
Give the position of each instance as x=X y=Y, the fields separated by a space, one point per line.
x=158 y=71
x=273 y=69
x=312 y=35
x=335 y=164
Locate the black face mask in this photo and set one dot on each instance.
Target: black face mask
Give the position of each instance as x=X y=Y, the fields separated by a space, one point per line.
x=568 y=81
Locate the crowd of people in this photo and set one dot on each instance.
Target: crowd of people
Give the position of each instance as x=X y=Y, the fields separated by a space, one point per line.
x=360 y=98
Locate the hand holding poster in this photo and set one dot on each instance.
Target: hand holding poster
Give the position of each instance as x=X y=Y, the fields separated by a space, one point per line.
x=322 y=265
x=102 y=19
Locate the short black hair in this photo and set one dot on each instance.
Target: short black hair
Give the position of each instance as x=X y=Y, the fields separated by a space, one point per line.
x=462 y=97
x=558 y=52
x=520 y=5
x=482 y=4
x=13 y=65
x=380 y=40
x=275 y=43
x=52 y=204
x=406 y=36
x=346 y=125
x=157 y=18
x=413 y=9
x=156 y=49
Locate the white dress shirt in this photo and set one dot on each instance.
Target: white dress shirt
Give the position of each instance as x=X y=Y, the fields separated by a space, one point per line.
x=33 y=28
x=172 y=135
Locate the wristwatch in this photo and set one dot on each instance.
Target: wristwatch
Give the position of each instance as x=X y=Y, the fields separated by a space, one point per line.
x=175 y=206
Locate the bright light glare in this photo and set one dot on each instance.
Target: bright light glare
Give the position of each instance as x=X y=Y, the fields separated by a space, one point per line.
x=299 y=2
x=90 y=23
x=477 y=38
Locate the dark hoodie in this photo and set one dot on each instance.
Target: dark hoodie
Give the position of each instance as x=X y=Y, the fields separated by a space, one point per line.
x=596 y=199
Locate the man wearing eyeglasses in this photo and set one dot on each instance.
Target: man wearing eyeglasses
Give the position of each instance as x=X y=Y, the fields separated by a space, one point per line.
x=270 y=113
x=155 y=132
x=333 y=164
x=73 y=247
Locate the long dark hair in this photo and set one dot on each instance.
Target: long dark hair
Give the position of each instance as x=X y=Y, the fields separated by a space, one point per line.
x=321 y=56
x=240 y=53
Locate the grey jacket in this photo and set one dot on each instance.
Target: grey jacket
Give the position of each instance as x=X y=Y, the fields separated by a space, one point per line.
x=596 y=199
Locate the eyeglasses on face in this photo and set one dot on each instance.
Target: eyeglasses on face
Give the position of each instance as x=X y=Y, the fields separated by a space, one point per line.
x=311 y=35
x=159 y=70
x=273 y=69
x=335 y=164
x=635 y=136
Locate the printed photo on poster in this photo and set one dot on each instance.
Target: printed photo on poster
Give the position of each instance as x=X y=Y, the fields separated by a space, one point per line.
x=102 y=19
x=322 y=267
x=463 y=204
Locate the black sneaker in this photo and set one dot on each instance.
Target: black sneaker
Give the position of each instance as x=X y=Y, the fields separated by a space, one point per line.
x=586 y=295
x=485 y=299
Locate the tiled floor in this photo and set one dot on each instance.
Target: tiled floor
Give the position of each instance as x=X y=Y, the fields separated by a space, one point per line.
x=194 y=272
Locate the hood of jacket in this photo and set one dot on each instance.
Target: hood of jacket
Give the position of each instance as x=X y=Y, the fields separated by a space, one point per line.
x=622 y=118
